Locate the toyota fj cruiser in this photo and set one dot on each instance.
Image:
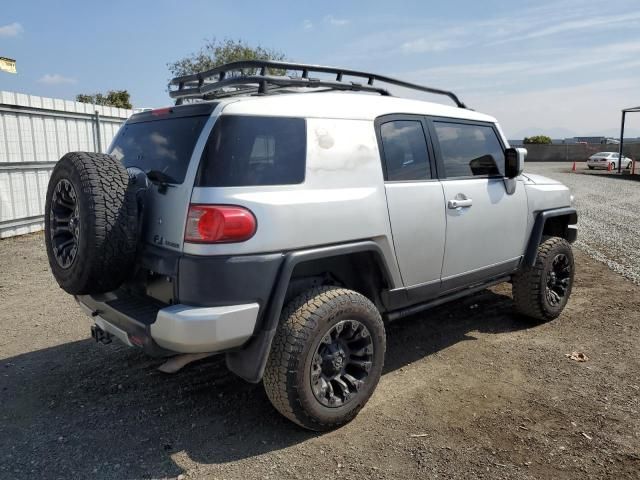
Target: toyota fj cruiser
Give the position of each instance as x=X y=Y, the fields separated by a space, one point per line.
x=282 y=220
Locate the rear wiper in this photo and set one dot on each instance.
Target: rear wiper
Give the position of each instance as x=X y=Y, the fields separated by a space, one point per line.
x=161 y=179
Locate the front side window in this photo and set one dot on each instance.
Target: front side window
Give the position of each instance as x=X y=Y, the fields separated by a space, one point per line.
x=246 y=151
x=405 y=150
x=469 y=150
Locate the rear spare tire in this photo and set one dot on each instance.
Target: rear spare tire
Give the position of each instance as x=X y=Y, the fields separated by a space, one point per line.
x=91 y=223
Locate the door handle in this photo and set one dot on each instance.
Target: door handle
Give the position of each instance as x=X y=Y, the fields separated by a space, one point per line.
x=457 y=203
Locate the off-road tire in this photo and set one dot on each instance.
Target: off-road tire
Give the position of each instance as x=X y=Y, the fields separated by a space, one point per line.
x=106 y=222
x=304 y=323
x=530 y=284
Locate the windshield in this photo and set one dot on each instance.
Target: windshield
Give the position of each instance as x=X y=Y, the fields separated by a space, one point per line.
x=163 y=146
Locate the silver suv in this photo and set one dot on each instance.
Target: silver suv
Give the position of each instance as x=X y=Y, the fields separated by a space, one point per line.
x=282 y=220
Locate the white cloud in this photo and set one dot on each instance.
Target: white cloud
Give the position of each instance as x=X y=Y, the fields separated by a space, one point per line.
x=425 y=45
x=585 y=23
x=336 y=22
x=527 y=66
x=56 y=79
x=561 y=89
x=11 y=30
x=548 y=62
x=307 y=25
x=589 y=108
x=557 y=19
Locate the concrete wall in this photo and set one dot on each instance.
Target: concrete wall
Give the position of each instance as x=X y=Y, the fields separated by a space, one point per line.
x=578 y=153
x=34 y=133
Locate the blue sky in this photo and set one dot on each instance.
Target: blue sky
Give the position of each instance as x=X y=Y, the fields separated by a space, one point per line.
x=562 y=67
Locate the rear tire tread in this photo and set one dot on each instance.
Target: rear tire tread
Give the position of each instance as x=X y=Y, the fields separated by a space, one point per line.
x=298 y=321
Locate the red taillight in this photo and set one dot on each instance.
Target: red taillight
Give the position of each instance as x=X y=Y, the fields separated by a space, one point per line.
x=219 y=224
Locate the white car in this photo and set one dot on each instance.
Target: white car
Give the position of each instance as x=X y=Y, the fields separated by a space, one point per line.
x=604 y=159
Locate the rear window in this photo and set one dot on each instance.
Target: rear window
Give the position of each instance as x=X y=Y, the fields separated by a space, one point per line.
x=163 y=145
x=405 y=150
x=251 y=150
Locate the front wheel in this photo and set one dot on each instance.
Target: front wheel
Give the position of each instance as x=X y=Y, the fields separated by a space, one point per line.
x=326 y=358
x=542 y=291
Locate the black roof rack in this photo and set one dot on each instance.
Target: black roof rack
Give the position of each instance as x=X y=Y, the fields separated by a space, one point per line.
x=215 y=83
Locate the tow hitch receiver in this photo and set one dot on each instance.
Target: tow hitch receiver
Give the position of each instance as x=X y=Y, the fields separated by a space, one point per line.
x=100 y=335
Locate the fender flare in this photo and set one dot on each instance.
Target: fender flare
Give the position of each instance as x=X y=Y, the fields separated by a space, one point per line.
x=538 y=229
x=250 y=361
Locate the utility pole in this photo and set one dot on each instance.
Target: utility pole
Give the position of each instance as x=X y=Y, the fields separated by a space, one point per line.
x=624 y=113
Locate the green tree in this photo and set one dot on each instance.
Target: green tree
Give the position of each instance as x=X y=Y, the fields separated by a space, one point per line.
x=215 y=53
x=113 y=98
x=537 y=139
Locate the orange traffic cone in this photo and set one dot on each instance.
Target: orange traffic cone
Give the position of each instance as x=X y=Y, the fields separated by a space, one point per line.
x=609 y=167
x=573 y=168
x=633 y=167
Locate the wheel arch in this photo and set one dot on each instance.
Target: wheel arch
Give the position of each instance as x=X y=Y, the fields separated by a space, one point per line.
x=249 y=362
x=558 y=222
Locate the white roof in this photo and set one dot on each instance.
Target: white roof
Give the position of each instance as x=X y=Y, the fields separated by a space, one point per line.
x=357 y=106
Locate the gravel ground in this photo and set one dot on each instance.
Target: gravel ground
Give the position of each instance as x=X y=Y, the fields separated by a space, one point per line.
x=469 y=390
x=608 y=214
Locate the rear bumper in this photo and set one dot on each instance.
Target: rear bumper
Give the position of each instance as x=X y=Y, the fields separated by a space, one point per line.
x=166 y=330
x=598 y=165
x=208 y=329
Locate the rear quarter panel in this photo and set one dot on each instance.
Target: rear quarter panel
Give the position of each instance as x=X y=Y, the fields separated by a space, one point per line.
x=341 y=199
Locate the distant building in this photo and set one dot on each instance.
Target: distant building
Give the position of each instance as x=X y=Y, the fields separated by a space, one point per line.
x=585 y=140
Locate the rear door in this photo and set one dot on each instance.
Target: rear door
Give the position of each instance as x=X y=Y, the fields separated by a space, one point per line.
x=415 y=202
x=161 y=148
x=486 y=226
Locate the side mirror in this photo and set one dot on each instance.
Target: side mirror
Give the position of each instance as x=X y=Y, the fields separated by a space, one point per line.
x=514 y=161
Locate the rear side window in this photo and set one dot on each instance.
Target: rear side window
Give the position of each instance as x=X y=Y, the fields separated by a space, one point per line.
x=247 y=150
x=405 y=150
x=163 y=145
x=469 y=150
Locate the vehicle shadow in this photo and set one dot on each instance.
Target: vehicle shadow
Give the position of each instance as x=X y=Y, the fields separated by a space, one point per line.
x=79 y=410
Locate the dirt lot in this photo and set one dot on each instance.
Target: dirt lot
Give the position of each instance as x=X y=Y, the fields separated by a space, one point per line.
x=469 y=391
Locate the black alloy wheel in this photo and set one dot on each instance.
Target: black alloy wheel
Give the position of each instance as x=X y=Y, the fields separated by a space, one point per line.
x=64 y=223
x=558 y=279
x=341 y=363
x=326 y=358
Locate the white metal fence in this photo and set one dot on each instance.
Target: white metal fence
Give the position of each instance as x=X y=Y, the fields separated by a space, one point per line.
x=34 y=133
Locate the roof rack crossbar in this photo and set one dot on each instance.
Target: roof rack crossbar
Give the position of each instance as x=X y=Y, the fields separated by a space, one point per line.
x=210 y=84
x=210 y=90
